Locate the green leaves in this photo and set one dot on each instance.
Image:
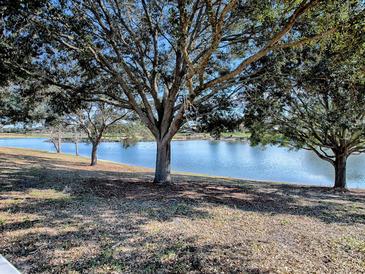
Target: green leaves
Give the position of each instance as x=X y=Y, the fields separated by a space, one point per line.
x=313 y=96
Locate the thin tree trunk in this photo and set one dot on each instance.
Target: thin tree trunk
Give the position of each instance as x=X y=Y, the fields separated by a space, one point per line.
x=340 y=172
x=163 y=163
x=76 y=143
x=59 y=141
x=77 y=147
x=94 y=156
x=56 y=145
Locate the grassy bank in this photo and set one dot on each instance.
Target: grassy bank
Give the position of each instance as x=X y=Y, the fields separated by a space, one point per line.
x=59 y=215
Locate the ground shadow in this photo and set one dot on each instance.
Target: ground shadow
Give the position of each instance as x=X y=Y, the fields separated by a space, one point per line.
x=111 y=207
x=46 y=173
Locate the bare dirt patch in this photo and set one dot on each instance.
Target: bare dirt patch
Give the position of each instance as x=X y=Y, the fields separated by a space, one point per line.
x=58 y=215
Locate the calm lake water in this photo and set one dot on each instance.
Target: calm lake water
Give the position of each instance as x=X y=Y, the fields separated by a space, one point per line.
x=221 y=158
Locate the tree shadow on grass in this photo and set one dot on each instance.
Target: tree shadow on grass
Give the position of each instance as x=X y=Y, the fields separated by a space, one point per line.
x=50 y=173
x=81 y=215
x=79 y=233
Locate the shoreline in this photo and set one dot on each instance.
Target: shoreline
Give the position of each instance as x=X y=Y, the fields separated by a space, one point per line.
x=235 y=180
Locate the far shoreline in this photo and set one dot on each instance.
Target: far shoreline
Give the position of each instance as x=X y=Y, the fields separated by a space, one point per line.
x=234 y=137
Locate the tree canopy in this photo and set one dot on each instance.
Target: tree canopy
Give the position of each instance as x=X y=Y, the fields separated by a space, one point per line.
x=18 y=43
x=313 y=97
x=160 y=56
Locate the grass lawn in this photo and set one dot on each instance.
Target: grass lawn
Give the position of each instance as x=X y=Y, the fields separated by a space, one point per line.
x=236 y=135
x=58 y=215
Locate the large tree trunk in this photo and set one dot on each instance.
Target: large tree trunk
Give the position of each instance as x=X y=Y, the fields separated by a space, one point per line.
x=340 y=172
x=163 y=163
x=94 y=156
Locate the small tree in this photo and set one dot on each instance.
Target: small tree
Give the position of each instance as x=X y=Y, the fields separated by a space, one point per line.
x=56 y=132
x=314 y=99
x=94 y=120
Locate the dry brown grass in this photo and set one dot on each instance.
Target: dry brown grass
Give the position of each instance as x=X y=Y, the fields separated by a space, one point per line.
x=58 y=215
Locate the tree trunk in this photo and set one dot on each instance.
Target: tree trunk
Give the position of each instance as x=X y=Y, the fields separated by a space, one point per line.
x=59 y=142
x=163 y=163
x=76 y=143
x=340 y=172
x=94 y=156
x=77 y=148
x=55 y=144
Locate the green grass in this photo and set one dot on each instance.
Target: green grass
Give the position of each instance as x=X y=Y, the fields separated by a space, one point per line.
x=236 y=134
x=351 y=243
x=23 y=135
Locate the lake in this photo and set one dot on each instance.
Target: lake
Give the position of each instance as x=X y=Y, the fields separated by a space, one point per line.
x=220 y=158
